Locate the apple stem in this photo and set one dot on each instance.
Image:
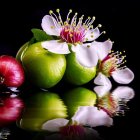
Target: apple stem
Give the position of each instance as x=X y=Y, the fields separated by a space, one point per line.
x=1 y=80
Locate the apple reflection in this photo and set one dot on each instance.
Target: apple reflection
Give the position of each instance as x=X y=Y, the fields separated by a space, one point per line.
x=40 y=107
x=10 y=109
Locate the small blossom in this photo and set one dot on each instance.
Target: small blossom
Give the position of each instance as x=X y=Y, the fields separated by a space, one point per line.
x=111 y=64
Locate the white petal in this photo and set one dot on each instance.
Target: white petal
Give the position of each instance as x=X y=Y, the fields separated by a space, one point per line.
x=123 y=92
x=75 y=48
x=86 y=56
x=102 y=48
x=50 y=26
x=91 y=116
x=102 y=90
x=56 y=46
x=92 y=34
x=55 y=124
x=124 y=76
x=102 y=80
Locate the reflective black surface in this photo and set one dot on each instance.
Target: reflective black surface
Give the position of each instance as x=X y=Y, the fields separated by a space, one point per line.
x=119 y=19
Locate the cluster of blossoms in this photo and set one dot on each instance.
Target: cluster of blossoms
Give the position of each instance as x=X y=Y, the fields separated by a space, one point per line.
x=78 y=36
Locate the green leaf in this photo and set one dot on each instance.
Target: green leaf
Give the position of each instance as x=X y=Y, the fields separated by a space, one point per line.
x=32 y=41
x=40 y=35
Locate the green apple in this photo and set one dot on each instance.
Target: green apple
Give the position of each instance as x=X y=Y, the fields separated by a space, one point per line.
x=76 y=73
x=44 y=69
x=41 y=107
x=79 y=96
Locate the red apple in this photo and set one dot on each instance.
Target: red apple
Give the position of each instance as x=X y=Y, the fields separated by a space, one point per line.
x=11 y=72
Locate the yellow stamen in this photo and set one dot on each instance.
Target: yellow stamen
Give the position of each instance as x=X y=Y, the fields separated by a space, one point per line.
x=57 y=10
x=52 y=27
x=70 y=10
x=50 y=12
x=99 y=25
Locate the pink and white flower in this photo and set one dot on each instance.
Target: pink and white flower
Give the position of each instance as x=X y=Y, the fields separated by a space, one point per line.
x=111 y=64
x=72 y=36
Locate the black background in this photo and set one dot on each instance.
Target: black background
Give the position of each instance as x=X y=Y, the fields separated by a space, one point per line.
x=119 y=19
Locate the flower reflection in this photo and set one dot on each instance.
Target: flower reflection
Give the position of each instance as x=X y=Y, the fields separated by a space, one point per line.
x=115 y=102
x=82 y=110
x=72 y=132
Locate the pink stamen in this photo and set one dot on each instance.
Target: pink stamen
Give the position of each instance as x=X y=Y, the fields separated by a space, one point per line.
x=72 y=35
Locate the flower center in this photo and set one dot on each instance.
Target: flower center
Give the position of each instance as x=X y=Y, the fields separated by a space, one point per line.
x=73 y=30
x=72 y=34
x=114 y=61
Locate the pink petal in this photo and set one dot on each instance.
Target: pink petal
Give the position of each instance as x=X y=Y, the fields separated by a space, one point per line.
x=124 y=76
x=50 y=26
x=92 y=34
x=91 y=116
x=86 y=56
x=55 y=46
x=102 y=80
x=102 y=48
x=123 y=92
x=55 y=124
